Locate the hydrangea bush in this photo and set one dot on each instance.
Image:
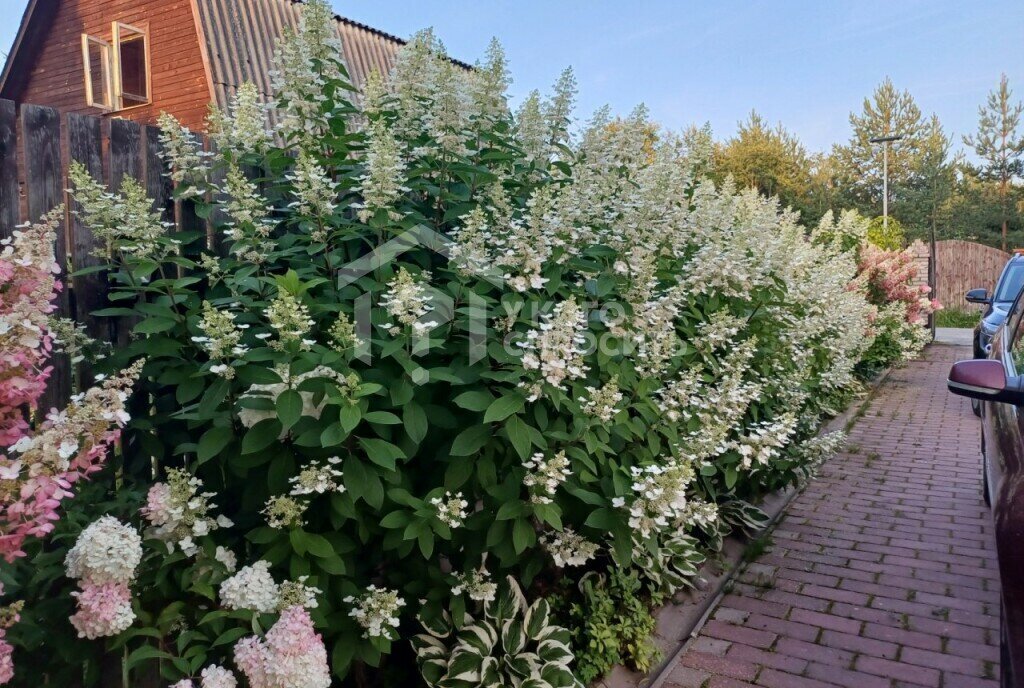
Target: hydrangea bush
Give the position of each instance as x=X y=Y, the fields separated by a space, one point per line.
x=440 y=363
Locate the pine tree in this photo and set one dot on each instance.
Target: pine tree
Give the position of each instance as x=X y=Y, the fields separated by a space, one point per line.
x=933 y=179
x=1000 y=145
x=887 y=112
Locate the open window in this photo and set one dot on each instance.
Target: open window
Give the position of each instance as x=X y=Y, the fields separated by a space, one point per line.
x=117 y=71
x=131 y=57
x=96 y=55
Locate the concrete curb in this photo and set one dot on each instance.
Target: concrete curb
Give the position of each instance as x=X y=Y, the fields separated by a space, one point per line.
x=678 y=624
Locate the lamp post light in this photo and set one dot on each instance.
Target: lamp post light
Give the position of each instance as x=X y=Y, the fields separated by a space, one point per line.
x=885 y=141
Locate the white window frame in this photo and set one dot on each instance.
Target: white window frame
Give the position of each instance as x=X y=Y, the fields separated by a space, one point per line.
x=106 y=102
x=118 y=93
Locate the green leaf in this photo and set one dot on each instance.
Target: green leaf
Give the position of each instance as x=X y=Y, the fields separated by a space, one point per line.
x=476 y=400
x=603 y=519
x=154 y=325
x=415 y=419
x=523 y=535
x=382 y=418
x=471 y=440
x=212 y=442
x=503 y=407
x=382 y=453
x=289 y=408
x=519 y=435
x=261 y=436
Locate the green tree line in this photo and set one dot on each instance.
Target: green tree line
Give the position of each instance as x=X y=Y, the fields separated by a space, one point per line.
x=931 y=187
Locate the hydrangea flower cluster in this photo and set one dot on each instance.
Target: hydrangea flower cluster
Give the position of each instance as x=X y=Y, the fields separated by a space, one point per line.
x=179 y=512
x=289 y=317
x=764 y=440
x=304 y=62
x=9 y=615
x=124 y=221
x=104 y=560
x=380 y=184
x=291 y=656
x=450 y=509
x=183 y=151
x=659 y=496
x=568 y=548
x=315 y=192
x=543 y=476
x=284 y=511
x=28 y=287
x=213 y=676
x=251 y=225
x=244 y=128
x=70 y=445
x=253 y=588
x=407 y=301
x=222 y=338
x=556 y=348
x=602 y=402
x=476 y=584
x=318 y=478
x=376 y=610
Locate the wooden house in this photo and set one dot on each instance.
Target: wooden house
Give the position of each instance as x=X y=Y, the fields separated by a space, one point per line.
x=133 y=59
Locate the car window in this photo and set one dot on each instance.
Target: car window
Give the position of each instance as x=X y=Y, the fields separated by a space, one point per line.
x=1010 y=284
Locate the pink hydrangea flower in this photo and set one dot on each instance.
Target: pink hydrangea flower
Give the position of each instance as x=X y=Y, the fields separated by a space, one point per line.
x=291 y=656
x=6 y=659
x=103 y=610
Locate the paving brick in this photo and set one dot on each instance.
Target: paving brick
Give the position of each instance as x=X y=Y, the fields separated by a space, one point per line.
x=775 y=660
x=720 y=666
x=829 y=621
x=884 y=570
x=898 y=670
x=860 y=645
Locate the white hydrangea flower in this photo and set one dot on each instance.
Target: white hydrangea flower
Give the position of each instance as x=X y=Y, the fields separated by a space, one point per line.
x=543 y=476
x=477 y=585
x=107 y=551
x=377 y=611
x=451 y=509
x=568 y=548
x=252 y=588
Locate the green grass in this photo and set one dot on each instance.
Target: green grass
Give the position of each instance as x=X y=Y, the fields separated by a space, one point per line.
x=956 y=318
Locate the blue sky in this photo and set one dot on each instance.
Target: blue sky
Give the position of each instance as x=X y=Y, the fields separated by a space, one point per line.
x=802 y=62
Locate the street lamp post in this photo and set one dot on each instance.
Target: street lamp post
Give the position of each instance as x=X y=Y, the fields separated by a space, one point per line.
x=885 y=141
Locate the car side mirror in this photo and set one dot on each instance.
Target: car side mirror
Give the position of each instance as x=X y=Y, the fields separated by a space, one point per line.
x=985 y=379
x=977 y=296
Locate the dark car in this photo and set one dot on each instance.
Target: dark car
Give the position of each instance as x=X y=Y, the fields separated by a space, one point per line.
x=998 y=383
x=1011 y=279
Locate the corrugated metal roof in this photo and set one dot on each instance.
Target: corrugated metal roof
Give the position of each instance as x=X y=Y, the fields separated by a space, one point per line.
x=240 y=36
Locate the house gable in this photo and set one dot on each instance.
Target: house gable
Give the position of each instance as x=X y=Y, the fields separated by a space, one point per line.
x=49 y=69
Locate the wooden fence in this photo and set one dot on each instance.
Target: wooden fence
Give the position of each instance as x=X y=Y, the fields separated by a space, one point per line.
x=37 y=145
x=964 y=265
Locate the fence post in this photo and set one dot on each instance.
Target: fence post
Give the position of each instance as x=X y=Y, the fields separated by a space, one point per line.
x=10 y=197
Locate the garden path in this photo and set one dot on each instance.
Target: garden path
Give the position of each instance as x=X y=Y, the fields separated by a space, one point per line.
x=883 y=571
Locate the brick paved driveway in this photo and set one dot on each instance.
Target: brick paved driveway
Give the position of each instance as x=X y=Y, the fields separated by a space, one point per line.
x=883 y=571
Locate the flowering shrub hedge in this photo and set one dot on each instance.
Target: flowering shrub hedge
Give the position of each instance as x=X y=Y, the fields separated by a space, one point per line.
x=889 y=279
x=449 y=362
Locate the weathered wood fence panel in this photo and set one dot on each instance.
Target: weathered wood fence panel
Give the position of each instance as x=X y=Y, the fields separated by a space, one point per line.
x=44 y=190
x=9 y=195
x=964 y=265
x=37 y=144
x=85 y=146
